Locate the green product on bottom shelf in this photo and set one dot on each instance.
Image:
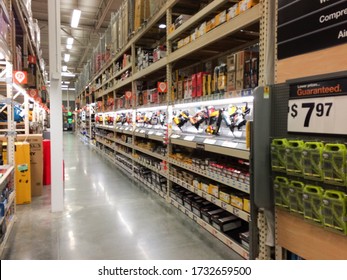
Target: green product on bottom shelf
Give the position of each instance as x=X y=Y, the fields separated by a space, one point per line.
x=296 y=189
x=294 y=157
x=334 y=164
x=312 y=160
x=281 y=187
x=278 y=154
x=312 y=200
x=334 y=210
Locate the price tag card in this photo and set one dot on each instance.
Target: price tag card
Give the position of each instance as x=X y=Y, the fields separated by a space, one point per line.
x=175 y=136
x=127 y=128
x=318 y=107
x=210 y=141
x=204 y=195
x=159 y=134
x=236 y=212
x=189 y=138
x=142 y=131
x=213 y=199
x=150 y=126
x=150 y=132
x=137 y=130
x=224 y=205
x=229 y=144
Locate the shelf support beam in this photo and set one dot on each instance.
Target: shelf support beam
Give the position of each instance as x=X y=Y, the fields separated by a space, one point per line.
x=57 y=186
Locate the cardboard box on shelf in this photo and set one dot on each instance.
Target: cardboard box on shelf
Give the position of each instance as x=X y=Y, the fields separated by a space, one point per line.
x=220 y=18
x=200 y=83
x=36 y=160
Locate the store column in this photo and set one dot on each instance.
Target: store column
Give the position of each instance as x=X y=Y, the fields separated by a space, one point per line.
x=57 y=189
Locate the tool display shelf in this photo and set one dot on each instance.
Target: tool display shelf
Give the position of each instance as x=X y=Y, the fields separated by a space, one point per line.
x=233 y=210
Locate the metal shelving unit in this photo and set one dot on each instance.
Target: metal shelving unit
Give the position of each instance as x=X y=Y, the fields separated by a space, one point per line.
x=233 y=35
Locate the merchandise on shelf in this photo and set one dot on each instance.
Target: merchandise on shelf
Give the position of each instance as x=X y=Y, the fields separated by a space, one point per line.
x=312 y=160
x=334 y=164
x=312 y=197
x=281 y=186
x=294 y=157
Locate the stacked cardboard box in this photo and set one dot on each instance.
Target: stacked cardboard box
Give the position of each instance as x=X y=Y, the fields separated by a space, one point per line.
x=36 y=160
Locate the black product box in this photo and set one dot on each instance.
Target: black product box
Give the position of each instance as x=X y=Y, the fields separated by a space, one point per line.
x=174 y=190
x=244 y=236
x=181 y=194
x=197 y=206
x=207 y=214
x=188 y=201
x=225 y=222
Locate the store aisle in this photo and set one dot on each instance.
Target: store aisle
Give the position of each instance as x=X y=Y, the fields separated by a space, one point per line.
x=107 y=216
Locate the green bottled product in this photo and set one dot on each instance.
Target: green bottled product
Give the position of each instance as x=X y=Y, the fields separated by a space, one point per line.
x=278 y=154
x=334 y=210
x=281 y=188
x=296 y=189
x=312 y=200
x=312 y=160
x=294 y=157
x=334 y=164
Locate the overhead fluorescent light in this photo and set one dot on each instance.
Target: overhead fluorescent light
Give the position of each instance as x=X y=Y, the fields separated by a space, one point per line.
x=76 y=14
x=67 y=57
x=69 y=41
x=2 y=56
x=68 y=74
x=69 y=47
x=162 y=26
x=64 y=68
x=65 y=82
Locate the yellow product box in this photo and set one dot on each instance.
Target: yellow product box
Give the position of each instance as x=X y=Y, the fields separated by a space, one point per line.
x=186 y=40
x=246 y=205
x=180 y=43
x=171 y=28
x=236 y=201
x=205 y=187
x=214 y=190
x=246 y=4
x=220 y=18
x=233 y=12
x=224 y=195
x=210 y=25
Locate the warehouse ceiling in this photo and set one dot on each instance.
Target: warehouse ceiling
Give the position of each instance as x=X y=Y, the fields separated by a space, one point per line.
x=95 y=18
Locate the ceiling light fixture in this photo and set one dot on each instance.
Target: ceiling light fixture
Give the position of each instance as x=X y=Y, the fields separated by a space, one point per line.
x=69 y=47
x=76 y=14
x=69 y=41
x=2 y=56
x=64 y=68
x=66 y=57
x=68 y=74
x=162 y=26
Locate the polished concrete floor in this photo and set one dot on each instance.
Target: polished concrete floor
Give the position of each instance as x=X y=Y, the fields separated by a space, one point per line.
x=106 y=216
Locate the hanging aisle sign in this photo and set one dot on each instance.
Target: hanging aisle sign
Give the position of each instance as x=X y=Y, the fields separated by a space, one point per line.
x=20 y=77
x=318 y=107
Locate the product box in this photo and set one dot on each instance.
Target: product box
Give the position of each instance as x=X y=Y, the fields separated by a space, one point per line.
x=180 y=89
x=198 y=205
x=214 y=190
x=244 y=5
x=210 y=25
x=231 y=81
x=180 y=43
x=224 y=194
x=220 y=18
x=225 y=221
x=246 y=205
x=233 y=12
x=199 y=83
x=201 y=30
x=36 y=160
x=186 y=40
x=181 y=19
x=196 y=184
x=236 y=200
x=171 y=28
x=207 y=214
x=205 y=187
x=241 y=58
x=22 y=173
x=194 y=85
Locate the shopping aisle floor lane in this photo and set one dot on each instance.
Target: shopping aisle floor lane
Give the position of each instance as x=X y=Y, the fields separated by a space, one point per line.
x=106 y=216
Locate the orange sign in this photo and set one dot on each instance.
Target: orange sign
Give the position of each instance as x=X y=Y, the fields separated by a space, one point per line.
x=20 y=77
x=162 y=87
x=33 y=93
